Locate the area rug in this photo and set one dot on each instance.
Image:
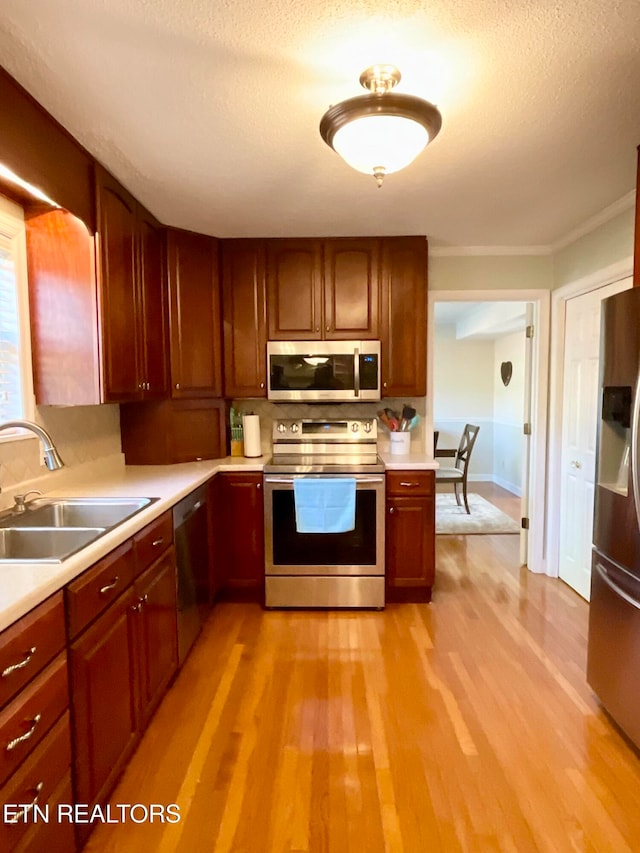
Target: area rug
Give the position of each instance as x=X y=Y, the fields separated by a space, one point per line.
x=484 y=518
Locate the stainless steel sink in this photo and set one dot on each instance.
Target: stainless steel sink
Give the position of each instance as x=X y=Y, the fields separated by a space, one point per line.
x=38 y=545
x=49 y=530
x=76 y=512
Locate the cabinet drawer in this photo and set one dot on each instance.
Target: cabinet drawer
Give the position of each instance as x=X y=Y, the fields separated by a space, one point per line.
x=150 y=542
x=37 y=781
x=26 y=720
x=94 y=590
x=410 y=482
x=28 y=645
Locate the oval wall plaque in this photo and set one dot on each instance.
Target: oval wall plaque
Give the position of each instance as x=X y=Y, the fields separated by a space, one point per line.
x=506 y=371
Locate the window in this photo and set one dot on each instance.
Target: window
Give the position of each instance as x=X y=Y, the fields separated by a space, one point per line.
x=15 y=361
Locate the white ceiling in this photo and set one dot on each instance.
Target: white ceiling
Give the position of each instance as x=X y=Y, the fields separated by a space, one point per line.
x=208 y=111
x=480 y=320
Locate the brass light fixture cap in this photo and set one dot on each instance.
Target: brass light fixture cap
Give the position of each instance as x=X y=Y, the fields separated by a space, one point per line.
x=380 y=78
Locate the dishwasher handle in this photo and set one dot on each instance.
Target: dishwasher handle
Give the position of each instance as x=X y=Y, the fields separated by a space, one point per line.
x=188 y=506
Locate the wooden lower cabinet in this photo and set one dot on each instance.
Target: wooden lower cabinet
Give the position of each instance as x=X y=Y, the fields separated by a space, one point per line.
x=240 y=526
x=156 y=635
x=410 y=535
x=103 y=696
x=121 y=664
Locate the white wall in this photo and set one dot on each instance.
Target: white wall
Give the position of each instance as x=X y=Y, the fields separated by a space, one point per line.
x=463 y=393
x=468 y=389
x=508 y=407
x=490 y=272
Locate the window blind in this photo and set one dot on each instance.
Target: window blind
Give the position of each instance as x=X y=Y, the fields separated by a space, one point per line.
x=11 y=401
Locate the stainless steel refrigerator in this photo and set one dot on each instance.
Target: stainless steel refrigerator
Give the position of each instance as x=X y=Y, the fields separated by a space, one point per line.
x=613 y=666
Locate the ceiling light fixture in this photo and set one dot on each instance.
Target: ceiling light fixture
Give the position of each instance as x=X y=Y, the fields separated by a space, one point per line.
x=381 y=132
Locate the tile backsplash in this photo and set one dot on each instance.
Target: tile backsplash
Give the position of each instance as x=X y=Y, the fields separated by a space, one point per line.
x=269 y=412
x=81 y=434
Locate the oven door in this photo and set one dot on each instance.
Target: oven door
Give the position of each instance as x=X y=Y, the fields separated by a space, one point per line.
x=356 y=552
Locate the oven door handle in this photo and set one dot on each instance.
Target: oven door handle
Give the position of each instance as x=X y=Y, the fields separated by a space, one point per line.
x=356 y=372
x=291 y=479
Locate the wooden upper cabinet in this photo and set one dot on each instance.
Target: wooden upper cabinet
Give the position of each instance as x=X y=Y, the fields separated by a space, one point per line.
x=245 y=317
x=195 y=322
x=294 y=289
x=351 y=289
x=117 y=233
x=404 y=316
x=153 y=306
x=323 y=289
x=133 y=295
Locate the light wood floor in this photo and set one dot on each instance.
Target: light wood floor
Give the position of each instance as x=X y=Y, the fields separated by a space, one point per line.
x=463 y=725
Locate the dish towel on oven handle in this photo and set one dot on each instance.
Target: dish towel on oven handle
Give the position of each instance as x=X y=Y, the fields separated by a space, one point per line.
x=325 y=505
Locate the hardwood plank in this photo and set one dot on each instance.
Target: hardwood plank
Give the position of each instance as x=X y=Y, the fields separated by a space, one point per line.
x=461 y=725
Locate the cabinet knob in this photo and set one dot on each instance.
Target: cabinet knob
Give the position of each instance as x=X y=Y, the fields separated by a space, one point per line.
x=327 y=328
x=384 y=384
x=262 y=384
x=177 y=386
x=258 y=485
x=317 y=328
x=391 y=510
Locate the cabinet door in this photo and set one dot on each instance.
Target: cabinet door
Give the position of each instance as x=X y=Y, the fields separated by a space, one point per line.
x=241 y=520
x=404 y=317
x=196 y=351
x=351 y=289
x=245 y=318
x=156 y=634
x=294 y=289
x=103 y=696
x=410 y=548
x=116 y=242
x=152 y=308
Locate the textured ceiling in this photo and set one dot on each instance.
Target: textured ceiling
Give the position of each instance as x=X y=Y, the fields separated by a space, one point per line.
x=208 y=111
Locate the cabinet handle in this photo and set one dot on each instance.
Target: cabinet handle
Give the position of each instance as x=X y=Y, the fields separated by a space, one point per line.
x=410 y=485
x=177 y=386
x=384 y=384
x=142 y=601
x=157 y=542
x=258 y=485
x=19 y=816
x=110 y=586
x=317 y=328
x=262 y=384
x=18 y=740
x=327 y=328
x=392 y=510
x=20 y=665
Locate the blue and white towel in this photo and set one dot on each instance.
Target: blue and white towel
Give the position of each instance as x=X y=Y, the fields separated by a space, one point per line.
x=325 y=504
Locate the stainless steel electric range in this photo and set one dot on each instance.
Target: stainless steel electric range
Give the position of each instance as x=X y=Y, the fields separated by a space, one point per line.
x=332 y=570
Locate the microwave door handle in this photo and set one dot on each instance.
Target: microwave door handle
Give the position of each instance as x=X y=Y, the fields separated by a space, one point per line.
x=356 y=372
x=635 y=438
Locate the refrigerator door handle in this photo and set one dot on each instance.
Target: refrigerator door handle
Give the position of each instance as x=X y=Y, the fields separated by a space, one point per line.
x=635 y=437
x=615 y=588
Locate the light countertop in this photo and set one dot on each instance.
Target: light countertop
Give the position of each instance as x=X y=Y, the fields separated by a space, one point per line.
x=25 y=585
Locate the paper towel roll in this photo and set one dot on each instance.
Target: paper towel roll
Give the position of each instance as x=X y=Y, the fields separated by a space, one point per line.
x=251 y=431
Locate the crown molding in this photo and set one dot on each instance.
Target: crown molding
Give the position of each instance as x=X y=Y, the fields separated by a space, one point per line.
x=589 y=225
x=608 y=213
x=471 y=251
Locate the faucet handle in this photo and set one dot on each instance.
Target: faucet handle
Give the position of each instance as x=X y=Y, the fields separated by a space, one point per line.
x=21 y=500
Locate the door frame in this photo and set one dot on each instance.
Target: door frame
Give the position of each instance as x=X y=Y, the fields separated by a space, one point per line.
x=541 y=299
x=594 y=281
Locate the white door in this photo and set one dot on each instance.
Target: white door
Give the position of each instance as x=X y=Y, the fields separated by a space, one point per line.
x=527 y=416
x=579 y=430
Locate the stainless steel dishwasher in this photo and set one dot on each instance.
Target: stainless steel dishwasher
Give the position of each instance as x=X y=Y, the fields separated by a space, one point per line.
x=191 y=535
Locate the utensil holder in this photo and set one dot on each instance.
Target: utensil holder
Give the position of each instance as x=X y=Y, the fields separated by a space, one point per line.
x=400 y=443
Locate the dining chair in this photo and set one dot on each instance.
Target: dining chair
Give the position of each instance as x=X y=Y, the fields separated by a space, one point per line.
x=457 y=474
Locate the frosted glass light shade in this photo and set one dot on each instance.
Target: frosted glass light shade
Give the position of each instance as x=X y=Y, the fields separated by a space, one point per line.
x=384 y=143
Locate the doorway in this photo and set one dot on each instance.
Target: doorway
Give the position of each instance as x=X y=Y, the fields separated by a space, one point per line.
x=580 y=397
x=533 y=492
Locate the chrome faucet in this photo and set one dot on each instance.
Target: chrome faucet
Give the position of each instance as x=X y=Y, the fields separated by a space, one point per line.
x=51 y=456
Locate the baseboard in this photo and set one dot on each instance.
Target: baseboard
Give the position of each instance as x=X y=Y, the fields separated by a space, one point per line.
x=510 y=487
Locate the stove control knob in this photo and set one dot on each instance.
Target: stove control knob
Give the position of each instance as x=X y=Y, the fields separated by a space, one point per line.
x=294 y=427
x=355 y=427
x=367 y=426
x=282 y=427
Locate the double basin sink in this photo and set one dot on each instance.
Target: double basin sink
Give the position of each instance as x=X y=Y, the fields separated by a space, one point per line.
x=49 y=530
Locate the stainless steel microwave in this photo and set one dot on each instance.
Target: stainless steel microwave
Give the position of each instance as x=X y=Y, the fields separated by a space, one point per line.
x=323 y=371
